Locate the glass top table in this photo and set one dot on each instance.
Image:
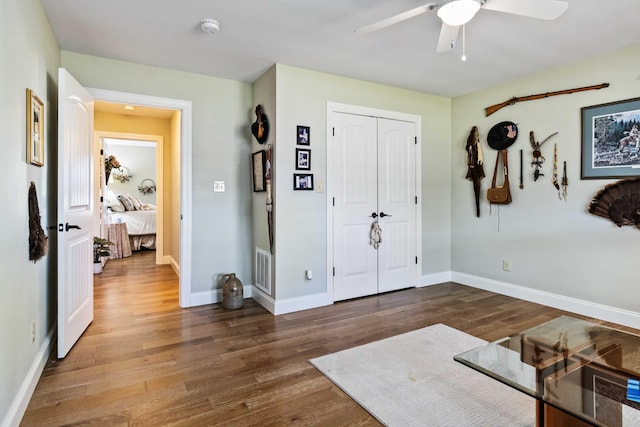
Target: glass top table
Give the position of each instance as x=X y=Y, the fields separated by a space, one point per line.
x=577 y=370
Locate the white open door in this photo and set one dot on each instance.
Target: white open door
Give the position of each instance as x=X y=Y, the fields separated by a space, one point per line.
x=75 y=211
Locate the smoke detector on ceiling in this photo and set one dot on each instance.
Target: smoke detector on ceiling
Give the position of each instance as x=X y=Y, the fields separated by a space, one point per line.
x=210 y=26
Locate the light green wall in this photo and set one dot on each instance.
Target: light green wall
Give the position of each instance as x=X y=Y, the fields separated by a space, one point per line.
x=222 y=239
x=553 y=246
x=264 y=94
x=301 y=220
x=29 y=58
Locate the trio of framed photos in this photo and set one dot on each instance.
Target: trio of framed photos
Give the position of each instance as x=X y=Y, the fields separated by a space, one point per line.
x=303 y=181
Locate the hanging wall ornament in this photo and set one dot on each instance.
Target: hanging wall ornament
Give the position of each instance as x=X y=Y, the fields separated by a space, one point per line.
x=475 y=169
x=538 y=159
x=619 y=202
x=260 y=128
x=565 y=182
x=554 y=180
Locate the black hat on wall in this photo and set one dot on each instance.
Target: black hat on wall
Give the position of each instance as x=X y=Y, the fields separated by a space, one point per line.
x=502 y=135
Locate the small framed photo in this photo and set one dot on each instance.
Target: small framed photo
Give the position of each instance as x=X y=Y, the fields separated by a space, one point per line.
x=258 y=160
x=303 y=159
x=611 y=140
x=35 y=129
x=303 y=135
x=303 y=181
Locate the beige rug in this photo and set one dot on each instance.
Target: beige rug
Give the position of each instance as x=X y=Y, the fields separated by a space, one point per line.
x=412 y=380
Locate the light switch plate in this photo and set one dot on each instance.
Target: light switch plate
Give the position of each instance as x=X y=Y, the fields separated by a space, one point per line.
x=218 y=186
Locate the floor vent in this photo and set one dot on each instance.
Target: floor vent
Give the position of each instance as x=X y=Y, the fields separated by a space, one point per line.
x=263 y=270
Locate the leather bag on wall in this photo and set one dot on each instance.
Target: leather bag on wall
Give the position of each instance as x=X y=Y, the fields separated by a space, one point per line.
x=500 y=195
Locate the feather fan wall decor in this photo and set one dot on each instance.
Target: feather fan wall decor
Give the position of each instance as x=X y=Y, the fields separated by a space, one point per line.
x=619 y=202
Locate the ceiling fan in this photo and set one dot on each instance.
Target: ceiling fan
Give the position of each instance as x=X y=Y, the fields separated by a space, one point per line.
x=455 y=13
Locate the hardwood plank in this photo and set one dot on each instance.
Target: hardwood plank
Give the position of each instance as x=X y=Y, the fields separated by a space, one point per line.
x=144 y=360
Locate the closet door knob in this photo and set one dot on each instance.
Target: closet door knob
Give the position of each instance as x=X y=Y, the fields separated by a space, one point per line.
x=374 y=215
x=382 y=215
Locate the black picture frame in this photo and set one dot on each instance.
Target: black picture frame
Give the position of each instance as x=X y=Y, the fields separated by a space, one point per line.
x=303 y=159
x=303 y=135
x=611 y=140
x=303 y=181
x=258 y=167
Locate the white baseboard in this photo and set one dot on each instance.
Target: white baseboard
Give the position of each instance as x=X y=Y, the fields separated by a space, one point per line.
x=215 y=296
x=574 y=305
x=264 y=300
x=290 y=305
x=168 y=259
x=434 y=279
x=21 y=401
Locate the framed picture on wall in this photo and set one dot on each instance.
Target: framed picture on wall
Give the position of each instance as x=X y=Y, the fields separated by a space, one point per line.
x=303 y=159
x=303 y=181
x=258 y=160
x=303 y=135
x=35 y=129
x=611 y=140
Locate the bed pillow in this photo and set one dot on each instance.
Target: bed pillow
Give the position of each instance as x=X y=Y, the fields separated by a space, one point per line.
x=137 y=205
x=116 y=207
x=126 y=202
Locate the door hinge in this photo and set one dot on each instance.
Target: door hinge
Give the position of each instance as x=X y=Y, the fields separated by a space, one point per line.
x=101 y=152
x=334 y=201
x=333 y=131
x=416 y=200
x=416 y=140
x=416 y=260
x=334 y=272
x=101 y=199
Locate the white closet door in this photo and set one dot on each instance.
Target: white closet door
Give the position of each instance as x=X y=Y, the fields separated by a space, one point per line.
x=355 y=184
x=397 y=204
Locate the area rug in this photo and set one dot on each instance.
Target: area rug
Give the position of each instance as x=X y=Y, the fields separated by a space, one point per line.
x=412 y=380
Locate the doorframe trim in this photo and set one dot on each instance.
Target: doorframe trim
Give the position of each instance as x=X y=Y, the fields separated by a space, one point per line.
x=332 y=109
x=158 y=140
x=186 y=115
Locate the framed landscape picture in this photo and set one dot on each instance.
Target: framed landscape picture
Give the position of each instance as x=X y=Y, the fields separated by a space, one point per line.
x=611 y=140
x=35 y=129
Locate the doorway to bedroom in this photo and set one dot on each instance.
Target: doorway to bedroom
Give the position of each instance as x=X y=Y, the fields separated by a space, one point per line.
x=140 y=188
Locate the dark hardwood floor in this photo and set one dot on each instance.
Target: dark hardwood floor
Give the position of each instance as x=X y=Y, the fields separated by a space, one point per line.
x=145 y=361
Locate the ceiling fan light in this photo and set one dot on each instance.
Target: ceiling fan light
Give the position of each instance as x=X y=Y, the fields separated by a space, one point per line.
x=458 y=12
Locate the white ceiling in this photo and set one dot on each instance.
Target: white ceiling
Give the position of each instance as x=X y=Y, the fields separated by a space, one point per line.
x=319 y=35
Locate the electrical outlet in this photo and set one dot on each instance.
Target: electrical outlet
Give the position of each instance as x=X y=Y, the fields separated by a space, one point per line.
x=33 y=331
x=506 y=265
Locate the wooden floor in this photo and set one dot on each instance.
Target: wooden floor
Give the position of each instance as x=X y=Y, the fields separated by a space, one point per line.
x=145 y=361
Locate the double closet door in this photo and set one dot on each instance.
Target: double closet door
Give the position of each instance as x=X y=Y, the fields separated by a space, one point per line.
x=374 y=176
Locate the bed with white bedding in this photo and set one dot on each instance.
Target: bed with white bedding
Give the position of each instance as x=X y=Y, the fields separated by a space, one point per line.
x=141 y=226
x=140 y=219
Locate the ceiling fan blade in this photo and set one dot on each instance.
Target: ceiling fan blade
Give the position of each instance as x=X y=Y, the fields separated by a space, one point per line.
x=396 y=18
x=541 y=9
x=448 y=37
